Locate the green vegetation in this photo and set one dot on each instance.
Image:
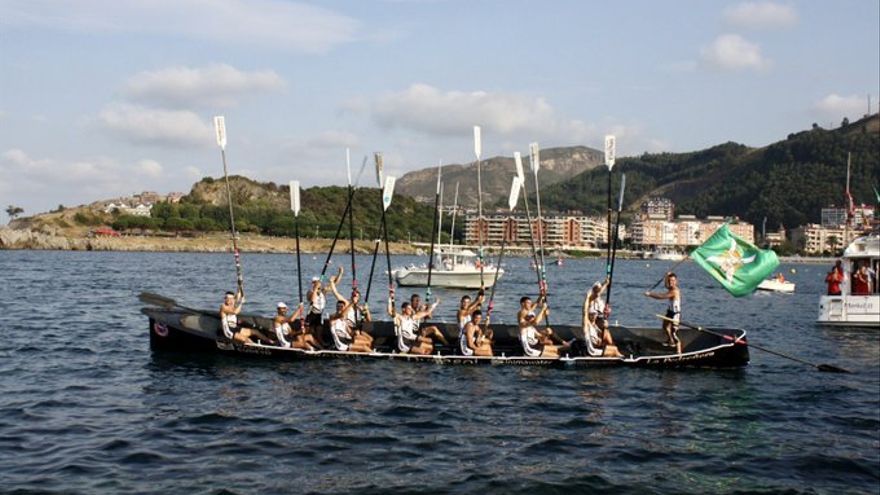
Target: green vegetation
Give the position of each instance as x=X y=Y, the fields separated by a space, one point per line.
x=789 y=182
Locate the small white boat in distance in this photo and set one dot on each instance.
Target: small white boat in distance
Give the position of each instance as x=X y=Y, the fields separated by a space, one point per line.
x=667 y=254
x=777 y=284
x=456 y=269
x=857 y=305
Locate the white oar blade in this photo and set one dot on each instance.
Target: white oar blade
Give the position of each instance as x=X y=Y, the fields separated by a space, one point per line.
x=294 y=197
x=377 y=156
x=514 y=193
x=610 y=151
x=517 y=158
x=535 y=157
x=388 y=192
x=439 y=175
x=478 y=142
x=220 y=130
x=348 y=164
x=622 y=187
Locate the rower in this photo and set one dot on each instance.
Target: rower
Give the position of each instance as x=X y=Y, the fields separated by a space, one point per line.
x=466 y=308
x=229 y=323
x=344 y=337
x=317 y=297
x=536 y=343
x=286 y=335
x=673 y=312
x=356 y=315
x=472 y=341
x=411 y=338
x=595 y=323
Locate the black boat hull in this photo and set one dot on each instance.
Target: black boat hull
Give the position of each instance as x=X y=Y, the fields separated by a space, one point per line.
x=183 y=330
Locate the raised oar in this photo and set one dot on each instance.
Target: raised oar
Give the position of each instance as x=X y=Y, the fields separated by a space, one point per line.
x=821 y=367
x=295 y=207
x=354 y=281
x=478 y=150
x=387 y=194
x=433 y=237
x=452 y=227
x=348 y=206
x=610 y=152
x=517 y=158
x=614 y=249
x=511 y=205
x=220 y=129
x=378 y=158
x=535 y=163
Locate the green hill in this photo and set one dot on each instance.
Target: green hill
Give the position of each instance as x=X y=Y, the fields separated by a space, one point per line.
x=788 y=181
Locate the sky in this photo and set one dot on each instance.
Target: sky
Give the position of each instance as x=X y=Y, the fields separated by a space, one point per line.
x=104 y=99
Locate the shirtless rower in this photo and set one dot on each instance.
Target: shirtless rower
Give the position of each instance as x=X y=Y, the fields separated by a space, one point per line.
x=673 y=311
x=285 y=334
x=411 y=338
x=473 y=341
x=595 y=323
x=229 y=323
x=536 y=343
x=344 y=337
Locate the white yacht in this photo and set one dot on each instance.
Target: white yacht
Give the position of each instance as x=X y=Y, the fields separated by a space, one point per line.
x=855 y=308
x=667 y=254
x=453 y=268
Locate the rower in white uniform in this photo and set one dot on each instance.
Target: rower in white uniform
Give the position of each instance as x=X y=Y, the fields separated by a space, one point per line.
x=595 y=323
x=466 y=309
x=411 y=338
x=285 y=332
x=472 y=341
x=356 y=314
x=673 y=310
x=535 y=343
x=230 y=324
x=317 y=297
x=343 y=334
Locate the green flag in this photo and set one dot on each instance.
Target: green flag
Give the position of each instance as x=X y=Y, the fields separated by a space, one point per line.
x=735 y=263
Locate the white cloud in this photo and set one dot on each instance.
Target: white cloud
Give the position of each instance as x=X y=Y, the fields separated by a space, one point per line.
x=733 y=52
x=429 y=110
x=334 y=140
x=151 y=126
x=761 y=15
x=275 y=24
x=215 y=85
x=150 y=168
x=835 y=106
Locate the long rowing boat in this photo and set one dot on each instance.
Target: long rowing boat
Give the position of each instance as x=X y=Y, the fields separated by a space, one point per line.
x=191 y=330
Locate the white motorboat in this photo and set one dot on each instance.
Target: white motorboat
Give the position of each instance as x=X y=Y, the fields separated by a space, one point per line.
x=667 y=254
x=777 y=284
x=455 y=269
x=855 y=306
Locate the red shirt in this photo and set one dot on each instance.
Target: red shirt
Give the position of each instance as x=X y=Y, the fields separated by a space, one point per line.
x=834 y=279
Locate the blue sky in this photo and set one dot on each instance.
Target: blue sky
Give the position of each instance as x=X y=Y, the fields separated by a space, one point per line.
x=100 y=99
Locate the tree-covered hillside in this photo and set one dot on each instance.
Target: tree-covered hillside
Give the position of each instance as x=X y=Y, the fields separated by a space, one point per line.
x=788 y=182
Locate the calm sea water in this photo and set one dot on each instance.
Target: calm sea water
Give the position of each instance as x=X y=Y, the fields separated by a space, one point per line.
x=87 y=408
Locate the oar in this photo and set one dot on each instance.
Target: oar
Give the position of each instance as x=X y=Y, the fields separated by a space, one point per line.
x=478 y=148
x=610 y=154
x=387 y=194
x=220 y=129
x=378 y=159
x=433 y=237
x=166 y=302
x=511 y=205
x=295 y=207
x=668 y=271
x=614 y=249
x=452 y=227
x=348 y=206
x=821 y=367
x=535 y=163
x=354 y=281
x=517 y=158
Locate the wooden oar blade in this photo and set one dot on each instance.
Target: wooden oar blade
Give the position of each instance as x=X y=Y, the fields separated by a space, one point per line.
x=377 y=156
x=220 y=130
x=294 y=197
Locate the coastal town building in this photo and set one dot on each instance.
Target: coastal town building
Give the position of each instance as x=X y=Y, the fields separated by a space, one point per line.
x=657 y=207
x=572 y=230
x=654 y=230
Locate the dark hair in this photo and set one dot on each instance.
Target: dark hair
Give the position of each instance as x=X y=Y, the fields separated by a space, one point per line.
x=414 y=296
x=230 y=293
x=465 y=297
x=476 y=313
x=524 y=299
x=404 y=306
x=672 y=275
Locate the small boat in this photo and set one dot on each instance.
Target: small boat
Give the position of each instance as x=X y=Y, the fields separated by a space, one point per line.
x=667 y=254
x=453 y=268
x=852 y=309
x=192 y=330
x=777 y=284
